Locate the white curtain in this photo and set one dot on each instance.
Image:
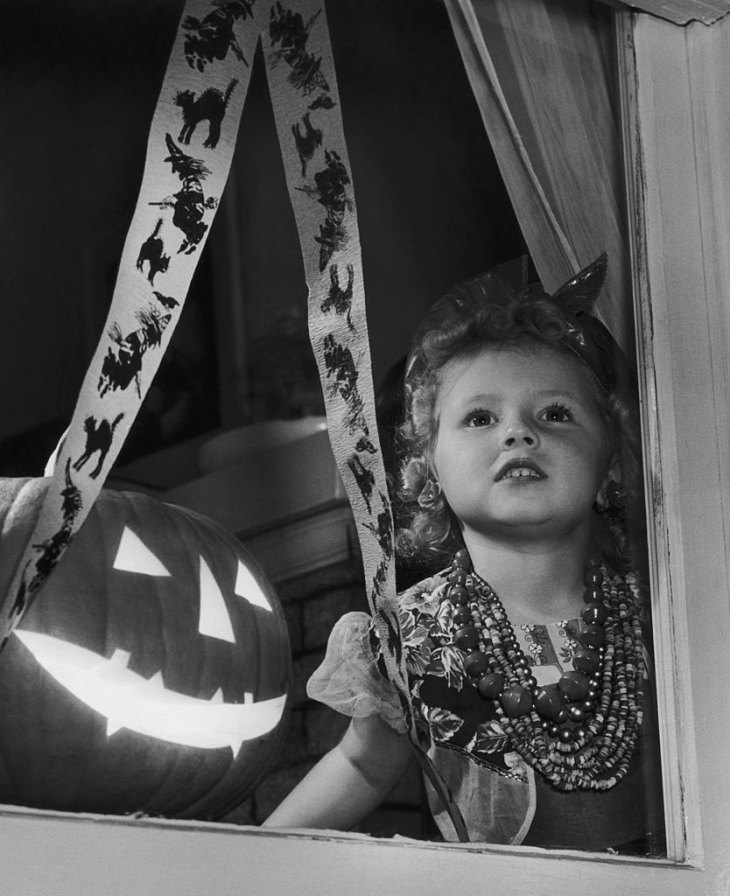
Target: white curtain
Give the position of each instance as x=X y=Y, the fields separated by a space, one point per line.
x=541 y=72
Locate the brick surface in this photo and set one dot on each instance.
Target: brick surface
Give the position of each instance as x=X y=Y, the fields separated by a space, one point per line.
x=320 y=613
x=323 y=728
x=293 y=615
x=303 y=667
x=337 y=576
x=295 y=747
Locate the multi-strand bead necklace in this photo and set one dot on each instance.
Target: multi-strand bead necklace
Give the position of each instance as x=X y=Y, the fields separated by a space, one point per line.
x=580 y=733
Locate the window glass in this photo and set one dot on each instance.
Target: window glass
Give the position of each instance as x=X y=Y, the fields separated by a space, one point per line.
x=434 y=210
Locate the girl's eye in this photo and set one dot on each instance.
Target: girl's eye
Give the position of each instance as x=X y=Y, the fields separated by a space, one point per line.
x=557 y=413
x=480 y=417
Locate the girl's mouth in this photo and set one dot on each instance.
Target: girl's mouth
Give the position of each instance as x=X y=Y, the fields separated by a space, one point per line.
x=519 y=469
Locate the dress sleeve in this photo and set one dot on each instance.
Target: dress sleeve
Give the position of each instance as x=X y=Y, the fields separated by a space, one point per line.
x=348 y=679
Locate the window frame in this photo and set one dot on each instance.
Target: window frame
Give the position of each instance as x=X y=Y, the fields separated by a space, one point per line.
x=675 y=138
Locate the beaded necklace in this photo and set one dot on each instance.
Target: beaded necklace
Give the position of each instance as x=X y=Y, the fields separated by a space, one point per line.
x=580 y=733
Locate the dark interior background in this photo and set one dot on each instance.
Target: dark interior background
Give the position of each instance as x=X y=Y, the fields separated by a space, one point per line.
x=79 y=83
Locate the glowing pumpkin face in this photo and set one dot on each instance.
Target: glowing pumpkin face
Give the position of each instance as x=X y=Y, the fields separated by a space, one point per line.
x=150 y=675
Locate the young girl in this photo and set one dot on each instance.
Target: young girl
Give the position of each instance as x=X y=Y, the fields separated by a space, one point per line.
x=525 y=653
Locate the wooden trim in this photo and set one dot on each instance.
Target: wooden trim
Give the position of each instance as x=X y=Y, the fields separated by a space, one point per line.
x=677 y=140
x=671 y=641
x=681 y=12
x=85 y=856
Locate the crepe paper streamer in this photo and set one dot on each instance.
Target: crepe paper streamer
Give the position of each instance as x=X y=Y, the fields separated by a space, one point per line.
x=185 y=171
x=186 y=168
x=306 y=104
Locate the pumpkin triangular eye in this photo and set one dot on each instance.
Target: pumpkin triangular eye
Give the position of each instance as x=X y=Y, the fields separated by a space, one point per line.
x=248 y=588
x=214 y=619
x=134 y=556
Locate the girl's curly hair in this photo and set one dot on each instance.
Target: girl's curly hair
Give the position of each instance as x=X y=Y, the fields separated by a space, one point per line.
x=488 y=312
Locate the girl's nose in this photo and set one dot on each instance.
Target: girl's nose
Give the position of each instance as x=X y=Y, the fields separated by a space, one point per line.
x=518 y=433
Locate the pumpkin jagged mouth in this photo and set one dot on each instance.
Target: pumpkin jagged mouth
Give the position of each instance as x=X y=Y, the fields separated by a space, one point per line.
x=144 y=705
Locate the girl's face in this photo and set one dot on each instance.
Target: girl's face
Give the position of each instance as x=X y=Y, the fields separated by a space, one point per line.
x=522 y=445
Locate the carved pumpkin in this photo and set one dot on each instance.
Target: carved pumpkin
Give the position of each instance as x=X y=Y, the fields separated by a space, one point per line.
x=151 y=673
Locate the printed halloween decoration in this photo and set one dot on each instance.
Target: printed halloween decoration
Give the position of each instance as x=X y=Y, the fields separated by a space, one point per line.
x=181 y=187
x=150 y=675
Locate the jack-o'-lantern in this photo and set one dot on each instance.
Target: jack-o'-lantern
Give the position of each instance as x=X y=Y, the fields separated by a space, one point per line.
x=150 y=675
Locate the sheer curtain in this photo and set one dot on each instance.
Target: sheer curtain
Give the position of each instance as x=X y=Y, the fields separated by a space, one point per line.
x=541 y=72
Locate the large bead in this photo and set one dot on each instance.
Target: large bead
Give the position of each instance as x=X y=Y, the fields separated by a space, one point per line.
x=593 y=636
x=491 y=685
x=462 y=616
x=574 y=685
x=458 y=595
x=548 y=702
x=462 y=559
x=576 y=713
x=593 y=576
x=476 y=663
x=516 y=701
x=585 y=659
x=595 y=613
x=466 y=638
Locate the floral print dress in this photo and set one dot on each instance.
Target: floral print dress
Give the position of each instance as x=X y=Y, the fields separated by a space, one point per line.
x=496 y=791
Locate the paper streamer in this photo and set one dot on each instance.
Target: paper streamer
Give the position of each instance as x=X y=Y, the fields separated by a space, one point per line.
x=306 y=104
x=186 y=167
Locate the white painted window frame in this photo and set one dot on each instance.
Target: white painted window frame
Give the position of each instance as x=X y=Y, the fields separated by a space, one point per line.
x=675 y=81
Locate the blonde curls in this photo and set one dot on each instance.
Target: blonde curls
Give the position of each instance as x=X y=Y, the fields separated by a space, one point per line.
x=462 y=324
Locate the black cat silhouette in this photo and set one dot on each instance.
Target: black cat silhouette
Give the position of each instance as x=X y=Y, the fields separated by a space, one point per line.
x=152 y=251
x=210 y=106
x=99 y=437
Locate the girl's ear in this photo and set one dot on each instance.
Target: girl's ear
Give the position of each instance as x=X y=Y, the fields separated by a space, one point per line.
x=611 y=479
